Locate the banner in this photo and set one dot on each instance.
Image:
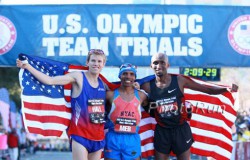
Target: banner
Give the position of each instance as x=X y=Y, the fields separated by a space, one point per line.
x=197 y=36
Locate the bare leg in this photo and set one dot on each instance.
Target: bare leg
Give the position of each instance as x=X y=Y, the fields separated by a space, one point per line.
x=161 y=156
x=184 y=156
x=79 y=152
x=95 y=155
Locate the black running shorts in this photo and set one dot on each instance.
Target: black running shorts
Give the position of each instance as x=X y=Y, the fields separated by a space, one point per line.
x=178 y=139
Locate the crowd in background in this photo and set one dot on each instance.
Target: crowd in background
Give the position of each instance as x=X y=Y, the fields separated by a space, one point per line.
x=14 y=140
x=20 y=144
x=242 y=127
x=14 y=143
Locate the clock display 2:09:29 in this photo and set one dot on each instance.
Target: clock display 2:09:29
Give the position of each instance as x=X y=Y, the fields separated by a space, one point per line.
x=199 y=72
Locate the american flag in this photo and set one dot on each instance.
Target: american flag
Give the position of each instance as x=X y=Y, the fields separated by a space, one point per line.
x=211 y=123
x=46 y=111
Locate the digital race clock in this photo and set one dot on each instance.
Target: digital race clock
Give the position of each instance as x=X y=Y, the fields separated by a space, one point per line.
x=206 y=74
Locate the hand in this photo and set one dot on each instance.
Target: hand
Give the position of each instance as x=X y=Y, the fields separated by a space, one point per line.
x=21 y=64
x=234 y=88
x=136 y=85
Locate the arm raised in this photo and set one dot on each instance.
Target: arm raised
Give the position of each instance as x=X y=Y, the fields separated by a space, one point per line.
x=57 y=80
x=188 y=83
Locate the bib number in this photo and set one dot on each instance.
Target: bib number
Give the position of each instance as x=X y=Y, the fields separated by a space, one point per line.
x=96 y=111
x=125 y=125
x=167 y=107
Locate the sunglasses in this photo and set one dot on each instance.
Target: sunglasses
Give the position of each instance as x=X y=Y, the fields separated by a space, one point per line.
x=126 y=65
x=96 y=51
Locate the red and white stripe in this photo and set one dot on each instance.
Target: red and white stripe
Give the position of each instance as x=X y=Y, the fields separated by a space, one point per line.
x=212 y=119
x=44 y=115
x=147 y=126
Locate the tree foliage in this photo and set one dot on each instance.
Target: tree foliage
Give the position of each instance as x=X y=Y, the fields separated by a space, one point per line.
x=9 y=80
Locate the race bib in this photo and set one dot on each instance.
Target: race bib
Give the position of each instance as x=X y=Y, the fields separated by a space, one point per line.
x=167 y=107
x=96 y=110
x=125 y=125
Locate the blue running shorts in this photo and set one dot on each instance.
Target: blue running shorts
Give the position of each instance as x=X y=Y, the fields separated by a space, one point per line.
x=122 y=146
x=91 y=146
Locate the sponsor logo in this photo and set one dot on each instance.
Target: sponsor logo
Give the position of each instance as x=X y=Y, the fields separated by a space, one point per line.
x=7 y=35
x=170 y=91
x=101 y=89
x=239 y=34
x=133 y=153
x=188 y=141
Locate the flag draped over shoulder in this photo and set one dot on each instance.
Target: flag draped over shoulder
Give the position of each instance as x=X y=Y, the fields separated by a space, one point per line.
x=47 y=111
x=212 y=119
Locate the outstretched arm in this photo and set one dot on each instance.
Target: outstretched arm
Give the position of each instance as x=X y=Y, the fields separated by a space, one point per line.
x=188 y=83
x=57 y=80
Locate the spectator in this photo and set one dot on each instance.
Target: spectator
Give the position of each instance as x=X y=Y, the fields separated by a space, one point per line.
x=13 y=144
x=244 y=133
x=22 y=142
x=247 y=121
